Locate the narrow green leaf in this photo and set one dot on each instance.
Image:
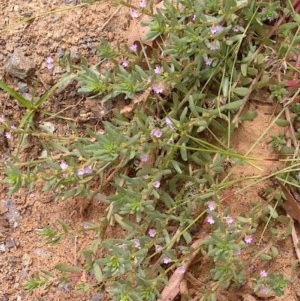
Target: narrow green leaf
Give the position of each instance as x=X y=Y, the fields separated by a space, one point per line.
x=183 y=152
x=225 y=87
x=275 y=251
x=282 y=123
x=241 y=91
x=266 y=257
x=235 y=105
x=64 y=267
x=249 y=116
x=97 y=272
x=244 y=68
x=18 y=97
x=176 y=166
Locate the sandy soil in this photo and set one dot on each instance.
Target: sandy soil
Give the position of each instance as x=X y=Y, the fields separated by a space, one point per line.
x=79 y=29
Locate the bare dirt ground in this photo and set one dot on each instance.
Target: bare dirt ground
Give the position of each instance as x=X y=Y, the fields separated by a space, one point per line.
x=79 y=29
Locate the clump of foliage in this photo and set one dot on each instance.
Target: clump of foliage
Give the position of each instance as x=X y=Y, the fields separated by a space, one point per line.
x=163 y=154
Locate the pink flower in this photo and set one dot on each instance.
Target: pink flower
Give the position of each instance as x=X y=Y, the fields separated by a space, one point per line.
x=8 y=135
x=80 y=172
x=208 y=62
x=156 y=184
x=181 y=270
x=125 y=63
x=49 y=62
x=210 y=220
x=166 y=260
x=157 y=88
x=158 y=248
x=142 y=4
x=236 y=29
x=133 y=47
x=63 y=165
x=213 y=47
x=229 y=220
x=211 y=205
x=134 y=14
x=144 y=158
x=215 y=29
x=248 y=239
x=156 y=133
x=263 y=274
x=137 y=243
x=87 y=170
x=169 y=122
x=158 y=70
x=152 y=232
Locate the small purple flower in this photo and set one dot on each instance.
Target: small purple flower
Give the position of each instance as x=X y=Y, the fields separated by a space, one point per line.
x=157 y=88
x=264 y=290
x=86 y=225
x=236 y=29
x=157 y=133
x=142 y=4
x=80 y=172
x=156 y=184
x=133 y=47
x=137 y=243
x=158 y=248
x=211 y=205
x=263 y=274
x=248 y=239
x=208 y=62
x=215 y=29
x=144 y=158
x=166 y=260
x=8 y=135
x=213 y=46
x=13 y=127
x=49 y=62
x=229 y=220
x=181 y=270
x=87 y=170
x=125 y=63
x=169 y=122
x=63 y=165
x=158 y=70
x=210 y=220
x=152 y=232
x=134 y=14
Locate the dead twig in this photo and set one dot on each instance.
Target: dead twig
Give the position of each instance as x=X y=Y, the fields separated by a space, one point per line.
x=295 y=239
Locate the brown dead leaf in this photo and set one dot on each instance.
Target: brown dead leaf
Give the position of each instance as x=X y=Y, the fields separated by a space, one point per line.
x=291 y=205
x=172 y=289
x=137 y=32
x=140 y=98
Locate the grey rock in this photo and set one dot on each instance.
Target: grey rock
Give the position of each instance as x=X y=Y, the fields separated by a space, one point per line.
x=74 y=54
x=10 y=243
x=97 y=297
x=20 y=66
x=65 y=287
x=22 y=87
x=13 y=215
